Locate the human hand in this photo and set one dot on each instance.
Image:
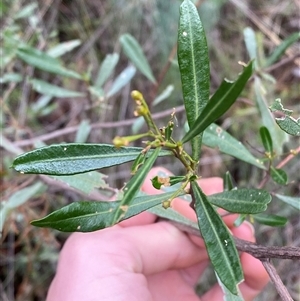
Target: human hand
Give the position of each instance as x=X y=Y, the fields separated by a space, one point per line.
x=140 y=260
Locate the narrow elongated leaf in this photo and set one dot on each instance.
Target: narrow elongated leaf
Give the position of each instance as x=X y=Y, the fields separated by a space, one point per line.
x=293 y=201
x=92 y=216
x=85 y=182
x=135 y=53
x=248 y=201
x=278 y=175
x=133 y=186
x=23 y=195
x=266 y=139
x=278 y=136
x=163 y=95
x=228 y=181
x=63 y=48
x=122 y=80
x=228 y=296
x=215 y=137
x=270 y=219
x=43 y=61
x=219 y=243
x=287 y=123
x=73 y=158
x=250 y=41
x=194 y=67
x=219 y=103
x=137 y=125
x=106 y=68
x=41 y=103
x=279 y=51
x=83 y=131
x=52 y=90
x=26 y=11
x=18 y=199
x=11 y=78
x=173 y=215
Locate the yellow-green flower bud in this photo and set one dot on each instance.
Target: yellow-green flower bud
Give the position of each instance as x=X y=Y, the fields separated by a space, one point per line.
x=137 y=95
x=120 y=141
x=166 y=204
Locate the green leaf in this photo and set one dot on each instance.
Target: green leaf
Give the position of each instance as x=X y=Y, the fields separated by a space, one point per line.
x=135 y=53
x=133 y=186
x=173 y=215
x=241 y=218
x=278 y=175
x=287 y=123
x=247 y=201
x=219 y=243
x=43 y=61
x=138 y=162
x=266 y=139
x=137 y=125
x=219 y=103
x=270 y=219
x=122 y=80
x=85 y=182
x=92 y=216
x=163 y=95
x=106 y=69
x=52 y=90
x=63 y=48
x=228 y=296
x=278 y=136
x=19 y=198
x=157 y=181
x=41 y=103
x=194 y=67
x=293 y=201
x=26 y=11
x=215 y=137
x=23 y=195
x=250 y=41
x=228 y=182
x=83 y=131
x=73 y=158
x=11 y=77
x=279 y=51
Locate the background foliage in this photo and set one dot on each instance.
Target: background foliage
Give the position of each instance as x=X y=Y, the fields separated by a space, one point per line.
x=30 y=118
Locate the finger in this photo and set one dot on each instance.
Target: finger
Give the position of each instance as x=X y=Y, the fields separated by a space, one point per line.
x=150 y=248
x=192 y=274
x=162 y=287
x=211 y=185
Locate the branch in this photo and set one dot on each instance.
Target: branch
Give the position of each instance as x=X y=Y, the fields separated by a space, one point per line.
x=258 y=251
x=263 y=252
x=102 y=125
x=280 y=287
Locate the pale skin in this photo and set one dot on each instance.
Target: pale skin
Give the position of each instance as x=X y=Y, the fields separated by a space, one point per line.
x=144 y=260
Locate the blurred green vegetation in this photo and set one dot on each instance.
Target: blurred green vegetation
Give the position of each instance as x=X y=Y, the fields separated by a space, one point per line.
x=28 y=255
